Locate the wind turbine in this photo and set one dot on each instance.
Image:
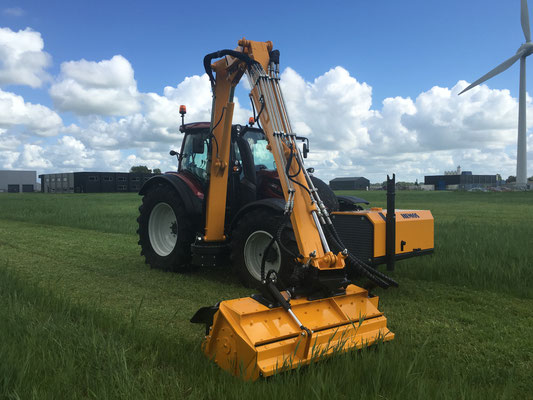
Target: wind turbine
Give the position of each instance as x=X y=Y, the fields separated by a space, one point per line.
x=525 y=50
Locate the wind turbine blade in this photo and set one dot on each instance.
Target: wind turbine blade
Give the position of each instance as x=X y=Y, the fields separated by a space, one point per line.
x=524 y=19
x=500 y=68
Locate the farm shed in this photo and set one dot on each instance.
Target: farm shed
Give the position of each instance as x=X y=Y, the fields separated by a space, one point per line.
x=18 y=181
x=349 y=183
x=93 y=182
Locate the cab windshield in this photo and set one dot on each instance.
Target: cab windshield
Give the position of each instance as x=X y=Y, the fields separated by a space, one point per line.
x=263 y=158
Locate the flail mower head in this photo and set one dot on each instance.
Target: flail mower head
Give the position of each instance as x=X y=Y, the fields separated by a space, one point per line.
x=251 y=340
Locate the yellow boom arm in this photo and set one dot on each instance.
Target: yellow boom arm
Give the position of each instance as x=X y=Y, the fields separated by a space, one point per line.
x=264 y=334
x=302 y=200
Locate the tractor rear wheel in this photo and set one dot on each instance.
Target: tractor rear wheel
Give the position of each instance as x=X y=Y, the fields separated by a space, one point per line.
x=326 y=194
x=165 y=230
x=250 y=239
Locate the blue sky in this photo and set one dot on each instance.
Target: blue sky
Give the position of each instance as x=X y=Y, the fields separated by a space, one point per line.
x=398 y=49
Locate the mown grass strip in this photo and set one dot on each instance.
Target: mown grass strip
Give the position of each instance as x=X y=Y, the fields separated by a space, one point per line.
x=85 y=310
x=482 y=240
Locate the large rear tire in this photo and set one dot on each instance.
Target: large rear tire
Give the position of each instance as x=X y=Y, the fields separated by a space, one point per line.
x=165 y=230
x=326 y=194
x=249 y=241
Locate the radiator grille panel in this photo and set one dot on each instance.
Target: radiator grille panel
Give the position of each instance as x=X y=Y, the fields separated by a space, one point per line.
x=357 y=234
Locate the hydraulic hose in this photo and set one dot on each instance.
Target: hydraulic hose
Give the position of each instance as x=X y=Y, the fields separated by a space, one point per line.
x=367 y=271
x=263 y=259
x=276 y=238
x=358 y=267
x=359 y=262
x=222 y=53
x=282 y=226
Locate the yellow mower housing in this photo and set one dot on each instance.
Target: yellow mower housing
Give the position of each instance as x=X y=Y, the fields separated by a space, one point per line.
x=251 y=340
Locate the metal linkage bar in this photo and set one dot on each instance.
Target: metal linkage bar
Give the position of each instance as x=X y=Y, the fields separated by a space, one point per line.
x=282 y=101
x=321 y=233
x=258 y=76
x=320 y=204
x=268 y=86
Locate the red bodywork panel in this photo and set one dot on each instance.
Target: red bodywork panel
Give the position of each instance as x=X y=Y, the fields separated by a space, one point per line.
x=195 y=187
x=268 y=185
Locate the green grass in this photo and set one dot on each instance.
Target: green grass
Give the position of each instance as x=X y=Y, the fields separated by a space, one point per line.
x=482 y=240
x=82 y=316
x=104 y=212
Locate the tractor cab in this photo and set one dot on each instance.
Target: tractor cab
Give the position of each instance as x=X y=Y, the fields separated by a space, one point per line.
x=253 y=173
x=193 y=157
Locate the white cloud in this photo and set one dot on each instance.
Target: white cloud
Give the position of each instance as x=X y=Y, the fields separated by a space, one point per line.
x=149 y=158
x=70 y=153
x=480 y=117
x=157 y=124
x=14 y=12
x=22 y=59
x=104 y=88
x=8 y=159
x=37 y=119
x=32 y=157
x=195 y=93
x=434 y=132
x=331 y=109
x=438 y=130
x=116 y=126
x=8 y=142
x=8 y=149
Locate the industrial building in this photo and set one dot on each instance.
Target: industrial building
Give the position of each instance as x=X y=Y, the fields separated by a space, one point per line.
x=93 y=182
x=462 y=180
x=349 y=183
x=18 y=181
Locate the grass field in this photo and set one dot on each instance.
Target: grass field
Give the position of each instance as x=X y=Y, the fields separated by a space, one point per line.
x=82 y=316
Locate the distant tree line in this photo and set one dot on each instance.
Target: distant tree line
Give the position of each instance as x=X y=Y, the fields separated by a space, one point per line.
x=512 y=178
x=143 y=169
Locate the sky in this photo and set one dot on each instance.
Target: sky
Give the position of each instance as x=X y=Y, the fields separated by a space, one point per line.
x=96 y=86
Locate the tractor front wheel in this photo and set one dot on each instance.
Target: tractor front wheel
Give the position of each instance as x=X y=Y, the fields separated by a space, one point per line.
x=165 y=230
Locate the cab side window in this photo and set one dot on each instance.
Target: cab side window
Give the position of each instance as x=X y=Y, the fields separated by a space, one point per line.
x=192 y=160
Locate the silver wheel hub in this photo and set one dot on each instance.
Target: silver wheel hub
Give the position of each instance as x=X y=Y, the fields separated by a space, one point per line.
x=163 y=229
x=254 y=248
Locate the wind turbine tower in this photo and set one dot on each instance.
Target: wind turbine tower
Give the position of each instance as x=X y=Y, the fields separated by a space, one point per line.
x=525 y=50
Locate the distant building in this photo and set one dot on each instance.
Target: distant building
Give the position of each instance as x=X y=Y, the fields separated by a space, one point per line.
x=349 y=183
x=18 y=181
x=421 y=187
x=93 y=182
x=454 y=172
x=465 y=181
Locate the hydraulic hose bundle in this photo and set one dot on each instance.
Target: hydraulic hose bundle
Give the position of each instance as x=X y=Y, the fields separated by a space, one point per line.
x=330 y=237
x=352 y=261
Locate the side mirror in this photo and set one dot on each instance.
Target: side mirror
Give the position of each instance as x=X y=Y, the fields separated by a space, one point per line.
x=197 y=144
x=306 y=150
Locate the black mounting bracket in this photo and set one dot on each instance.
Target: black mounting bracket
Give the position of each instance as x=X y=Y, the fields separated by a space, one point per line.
x=390 y=235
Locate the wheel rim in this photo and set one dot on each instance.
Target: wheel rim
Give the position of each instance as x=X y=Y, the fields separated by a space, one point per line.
x=254 y=249
x=163 y=229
